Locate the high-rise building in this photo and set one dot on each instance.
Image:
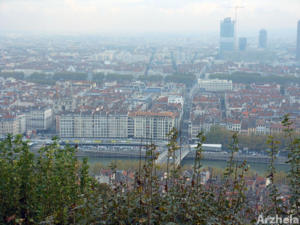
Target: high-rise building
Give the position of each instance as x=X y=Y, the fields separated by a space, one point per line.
x=298 y=42
x=227 y=35
x=262 y=40
x=242 y=44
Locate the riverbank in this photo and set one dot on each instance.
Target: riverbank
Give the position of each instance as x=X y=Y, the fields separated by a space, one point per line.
x=258 y=168
x=219 y=156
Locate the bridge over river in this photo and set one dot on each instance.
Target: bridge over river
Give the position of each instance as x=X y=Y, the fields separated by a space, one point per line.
x=184 y=152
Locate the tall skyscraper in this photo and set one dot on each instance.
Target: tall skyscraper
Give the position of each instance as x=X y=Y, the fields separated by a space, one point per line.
x=227 y=38
x=298 y=42
x=262 y=40
x=242 y=44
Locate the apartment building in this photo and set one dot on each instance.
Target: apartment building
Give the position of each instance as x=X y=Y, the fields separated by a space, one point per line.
x=173 y=99
x=196 y=128
x=146 y=125
x=152 y=125
x=234 y=125
x=83 y=126
x=8 y=126
x=93 y=125
x=215 y=85
x=39 y=119
x=12 y=125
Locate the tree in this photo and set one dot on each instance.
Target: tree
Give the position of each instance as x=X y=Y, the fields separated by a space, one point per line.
x=275 y=207
x=70 y=76
x=294 y=161
x=187 y=79
x=40 y=188
x=16 y=75
x=119 y=77
x=98 y=77
x=151 y=78
x=248 y=78
x=40 y=78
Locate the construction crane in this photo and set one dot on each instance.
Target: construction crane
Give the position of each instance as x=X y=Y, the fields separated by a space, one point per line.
x=236 y=8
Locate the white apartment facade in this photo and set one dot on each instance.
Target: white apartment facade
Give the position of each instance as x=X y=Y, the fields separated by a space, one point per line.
x=14 y=125
x=173 y=99
x=39 y=119
x=146 y=125
x=215 y=85
x=196 y=128
x=93 y=126
x=151 y=125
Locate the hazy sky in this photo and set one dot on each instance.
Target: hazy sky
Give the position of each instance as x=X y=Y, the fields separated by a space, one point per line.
x=96 y=16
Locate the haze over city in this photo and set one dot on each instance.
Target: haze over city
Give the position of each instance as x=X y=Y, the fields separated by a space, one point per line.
x=140 y=16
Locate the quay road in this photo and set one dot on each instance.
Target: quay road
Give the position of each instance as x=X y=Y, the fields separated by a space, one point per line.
x=135 y=150
x=185 y=154
x=224 y=156
x=98 y=142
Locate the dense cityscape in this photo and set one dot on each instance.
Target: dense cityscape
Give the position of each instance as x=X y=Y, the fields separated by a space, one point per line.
x=157 y=129
x=94 y=88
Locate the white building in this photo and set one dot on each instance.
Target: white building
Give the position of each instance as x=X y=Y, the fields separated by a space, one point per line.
x=234 y=126
x=215 y=85
x=39 y=119
x=146 y=125
x=12 y=125
x=196 y=128
x=152 y=125
x=173 y=99
x=93 y=126
x=8 y=126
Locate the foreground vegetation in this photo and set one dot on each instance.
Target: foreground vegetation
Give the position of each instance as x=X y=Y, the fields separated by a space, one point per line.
x=54 y=188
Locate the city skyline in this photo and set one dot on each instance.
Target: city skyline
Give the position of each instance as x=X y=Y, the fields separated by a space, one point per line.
x=138 y=16
x=263 y=38
x=228 y=35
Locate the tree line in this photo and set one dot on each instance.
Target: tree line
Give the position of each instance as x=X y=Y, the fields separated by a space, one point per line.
x=50 y=79
x=249 y=78
x=254 y=142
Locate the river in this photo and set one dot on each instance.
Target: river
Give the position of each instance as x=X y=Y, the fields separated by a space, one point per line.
x=259 y=168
